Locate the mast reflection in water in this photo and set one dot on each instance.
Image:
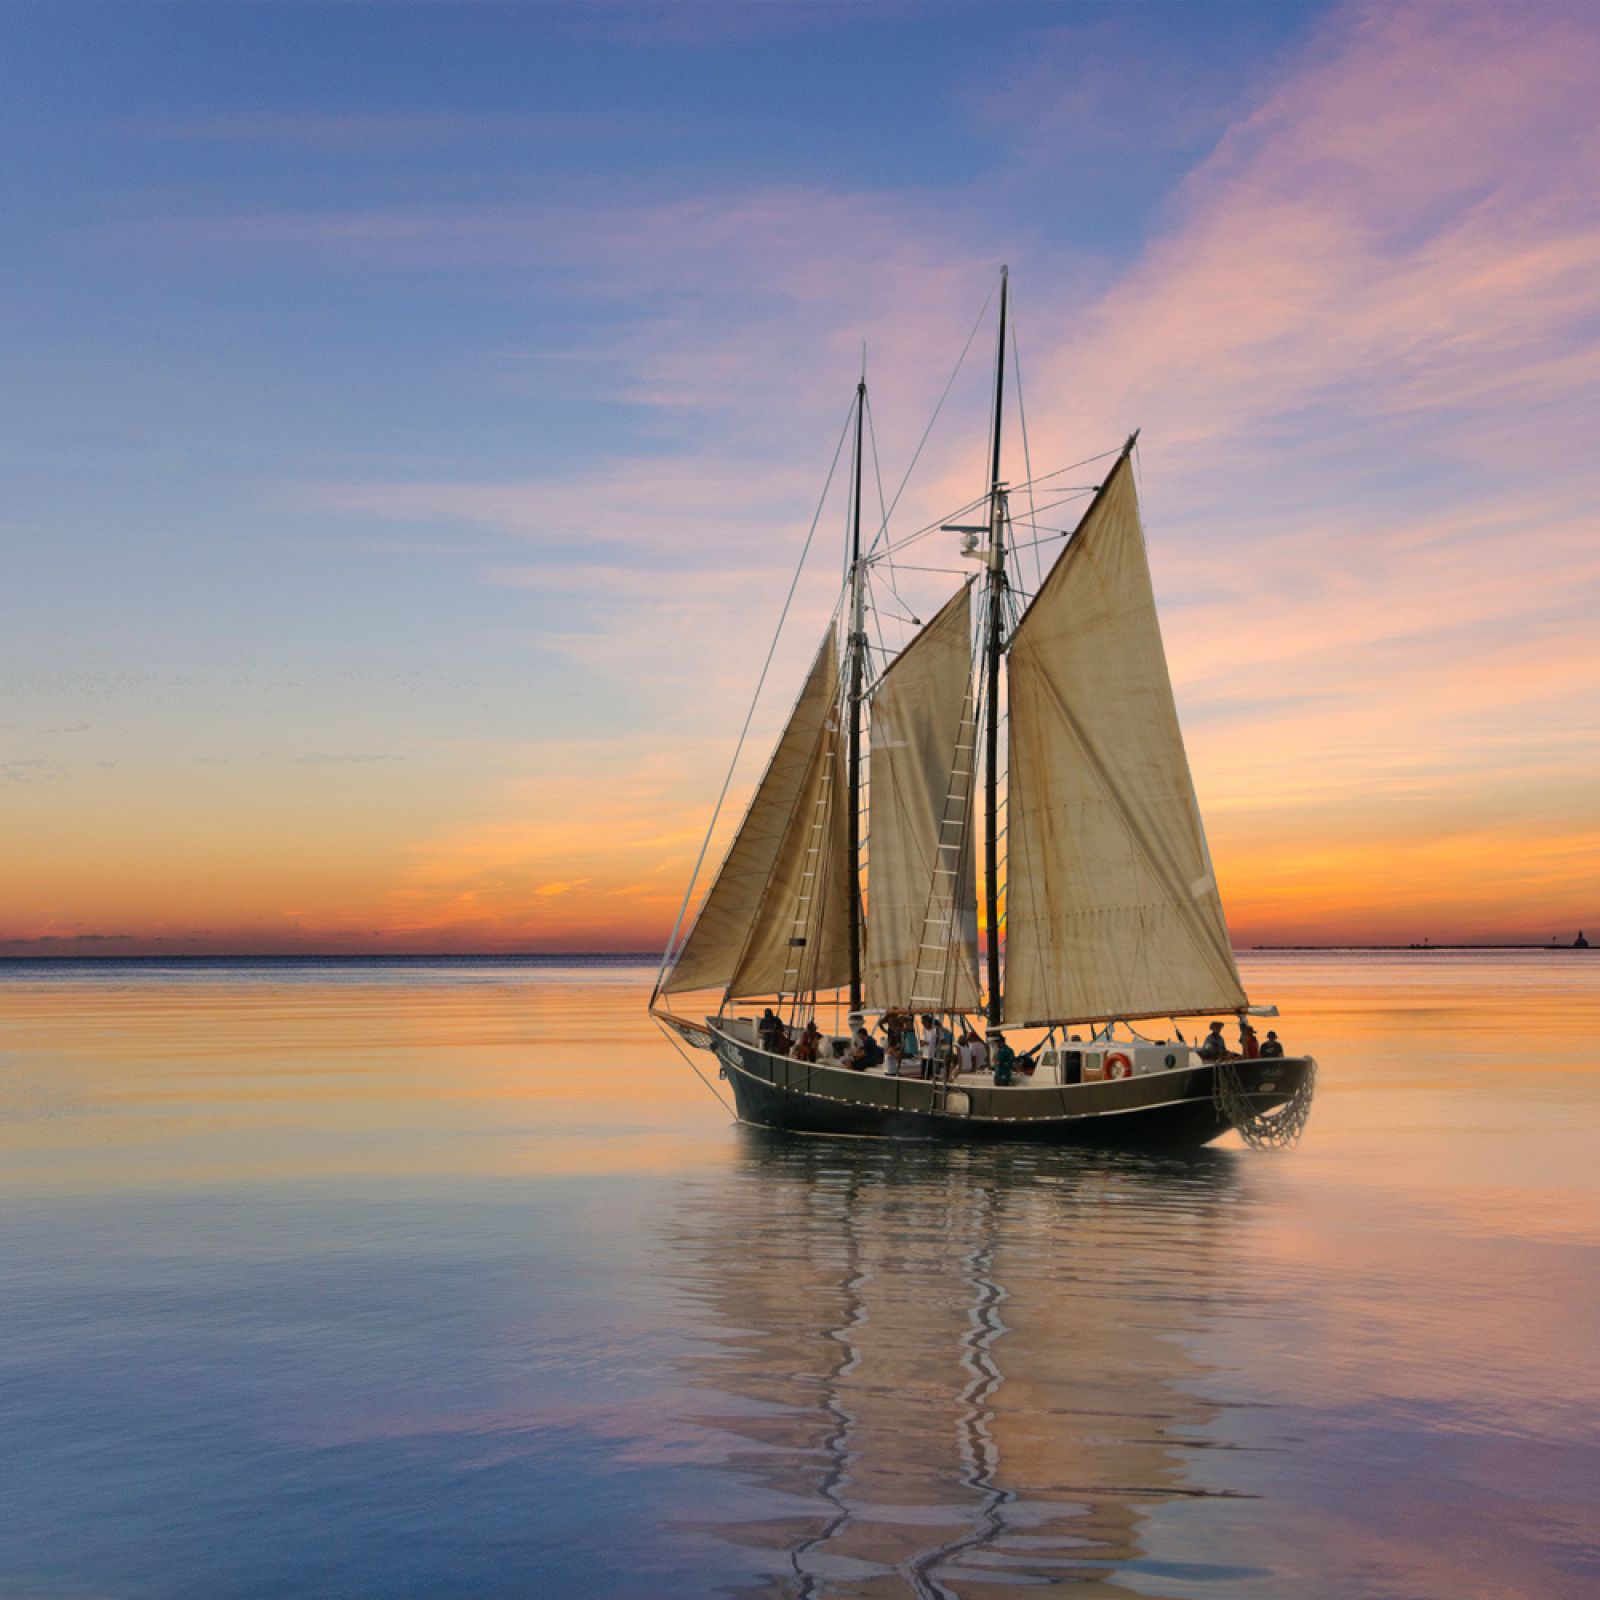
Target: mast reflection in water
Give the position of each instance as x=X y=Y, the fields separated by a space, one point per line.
x=936 y=1432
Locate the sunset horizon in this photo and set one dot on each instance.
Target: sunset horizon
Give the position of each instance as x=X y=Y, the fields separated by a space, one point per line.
x=416 y=605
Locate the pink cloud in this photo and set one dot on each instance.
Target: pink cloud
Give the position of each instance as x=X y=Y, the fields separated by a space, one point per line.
x=1406 y=230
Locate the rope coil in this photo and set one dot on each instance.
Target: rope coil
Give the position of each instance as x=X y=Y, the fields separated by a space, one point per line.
x=1264 y=1130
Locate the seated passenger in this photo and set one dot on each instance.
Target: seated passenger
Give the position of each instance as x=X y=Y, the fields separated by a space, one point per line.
x=1214 y=1047
x=809 y=1045
x=1273 y=1048
x=977 y=1054
x=866 y=1051
x=1005 y=1062
x=892 y=1059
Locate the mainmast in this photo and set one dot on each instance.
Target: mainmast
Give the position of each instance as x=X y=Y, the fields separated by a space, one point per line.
x=992 y=645
x=858 y=645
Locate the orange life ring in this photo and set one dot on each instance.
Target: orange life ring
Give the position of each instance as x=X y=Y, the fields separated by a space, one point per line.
x=1118 y=1065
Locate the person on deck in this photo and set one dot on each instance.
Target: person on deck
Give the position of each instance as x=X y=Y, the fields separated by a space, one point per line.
x=892 y=1058
x=906 y=1033
x=1249 y=1045
x=809 y=1045
x=1214 y=1047
x=930 y=1041
x=867 y=1052
x=769 y=1029
x=1005 y=1062
x=1273 y=1047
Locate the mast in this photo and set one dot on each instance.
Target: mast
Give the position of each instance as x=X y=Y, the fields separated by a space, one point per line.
x=991 y=732
x=858 y=641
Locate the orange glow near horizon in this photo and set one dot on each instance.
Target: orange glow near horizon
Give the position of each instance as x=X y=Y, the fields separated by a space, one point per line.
x=615 y=881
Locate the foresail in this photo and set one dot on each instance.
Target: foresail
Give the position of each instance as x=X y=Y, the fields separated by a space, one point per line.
x=785 y=876
x=922 y=935
x=1112 y=907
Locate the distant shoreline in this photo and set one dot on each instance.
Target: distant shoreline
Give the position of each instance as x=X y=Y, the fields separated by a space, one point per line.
x=389 y=957
x=642 y=957
x=1418 y=949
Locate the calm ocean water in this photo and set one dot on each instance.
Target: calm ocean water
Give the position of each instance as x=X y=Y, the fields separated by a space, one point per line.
x=448 y=1279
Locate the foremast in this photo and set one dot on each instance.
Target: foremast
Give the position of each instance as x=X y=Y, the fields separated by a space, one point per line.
x=993 y=648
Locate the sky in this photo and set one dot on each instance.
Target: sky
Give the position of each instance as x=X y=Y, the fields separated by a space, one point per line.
x=410 y=418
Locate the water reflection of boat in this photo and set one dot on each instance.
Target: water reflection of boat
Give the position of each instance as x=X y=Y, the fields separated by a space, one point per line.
x=1094 y=860
x=918 y=1430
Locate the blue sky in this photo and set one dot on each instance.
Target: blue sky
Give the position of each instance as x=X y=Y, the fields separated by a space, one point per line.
x=410 y=414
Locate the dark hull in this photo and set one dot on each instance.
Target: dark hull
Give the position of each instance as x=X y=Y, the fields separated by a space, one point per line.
x=1161 y=1111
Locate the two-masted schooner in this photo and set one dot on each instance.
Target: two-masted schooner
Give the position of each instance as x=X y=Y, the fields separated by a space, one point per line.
x=1102 y=927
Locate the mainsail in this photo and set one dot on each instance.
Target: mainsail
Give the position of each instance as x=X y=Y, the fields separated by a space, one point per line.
x=922 y=944
x=1113 y=908
x=776 y=917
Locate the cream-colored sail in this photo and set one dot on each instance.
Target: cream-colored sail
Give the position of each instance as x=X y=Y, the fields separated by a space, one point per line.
x=922 y=937
x=785 y=876
x=1113 y=909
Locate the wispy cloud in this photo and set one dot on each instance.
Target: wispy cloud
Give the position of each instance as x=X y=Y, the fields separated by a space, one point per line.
x=373 y=132
x=321 y=758
x=30 y=769
x=1394 y=256
x=627 y=812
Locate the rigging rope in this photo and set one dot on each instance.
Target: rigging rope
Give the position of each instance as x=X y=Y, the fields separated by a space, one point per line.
x=973 y=505
x=672 y=1039
x=877 y=473
x=783 y=616
x=1027 y=462
x=1264 y=1130
x=917 y=454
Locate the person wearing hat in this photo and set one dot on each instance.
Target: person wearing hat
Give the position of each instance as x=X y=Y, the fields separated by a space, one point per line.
x=1214 y=1047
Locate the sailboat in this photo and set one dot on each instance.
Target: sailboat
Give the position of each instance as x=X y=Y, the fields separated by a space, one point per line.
x=1058 y=1015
